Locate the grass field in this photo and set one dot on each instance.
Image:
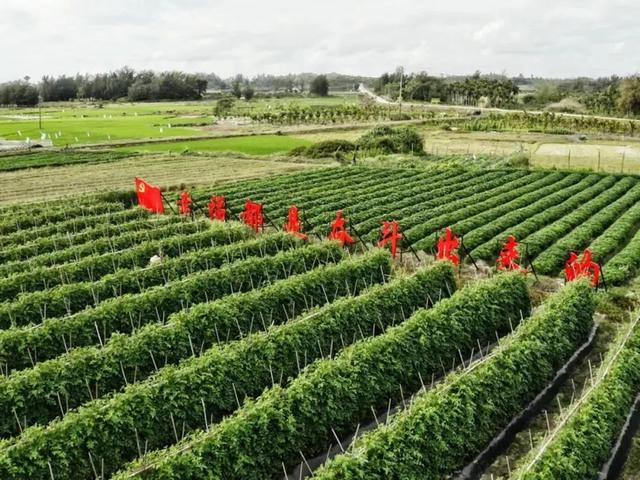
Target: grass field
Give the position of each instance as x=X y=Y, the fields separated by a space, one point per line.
x=251 y=145
x=168 y=171
x=72 y=123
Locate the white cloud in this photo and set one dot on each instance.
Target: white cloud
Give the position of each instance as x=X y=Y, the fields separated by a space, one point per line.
x=541 y=37
x=487 y=30
x=618 y=47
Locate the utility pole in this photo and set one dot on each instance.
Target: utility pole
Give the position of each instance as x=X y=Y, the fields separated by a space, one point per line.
x=401 y=72
x=40 y=112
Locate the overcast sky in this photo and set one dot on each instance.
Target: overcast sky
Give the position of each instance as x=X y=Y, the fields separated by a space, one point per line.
x=558 y=38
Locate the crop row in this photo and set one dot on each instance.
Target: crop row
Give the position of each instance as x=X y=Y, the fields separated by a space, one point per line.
x=25 y=221
x=167 y=227
x=94 y=267
x=625 y=265
x=617 y=234
x=489 y=250
x=21 y=347
x=319 y=206
x=339 y=393
x=74 y=226
x=219 y=378
x=378 y=201
x=300 y=187
x=62 y=241
x=479 y=191
x=421 y=228
x=320 y=192
x=492 y=229
x=584 y=441
x=321 y=211
x=417 y=199
x=239 y=190
x=445 y=427
x=495 y=208
x=81 y=374
x=550 y=261
x=540 y=240
x=31 y=308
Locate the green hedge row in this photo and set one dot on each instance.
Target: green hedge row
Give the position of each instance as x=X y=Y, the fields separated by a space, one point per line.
x=446 y=427
x=422 y=232
x=330 y=200
x=377 y=202
x=27 y=220
x=94 y=267
x=240 y=190
x=492 y=229
x=167 y=227
x=22 y=346
x=584 y=443
x=60 y=242
x=243 y=367
x=68 y=299
x=419 y=198
x=617 y=235
x=304 y=190
x=498 y=207
x=625 y=265
x=489 y=250
x=74 y=226
x=339 y=393
x=552 y=259
x=540 y=240
x=33 y=393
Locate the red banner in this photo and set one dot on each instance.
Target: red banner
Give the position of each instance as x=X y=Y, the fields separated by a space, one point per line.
x=448 y=247
x=293 y=223
x=509 y=255
x=339 y=230
x=582 y=267
x=184 y=204
x=390 y=235
x=149 y=196
x=217 y=208
x=252 y=215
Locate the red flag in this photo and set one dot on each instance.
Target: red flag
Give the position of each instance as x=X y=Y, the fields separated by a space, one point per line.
x=448 y=246
x=339 y=230
x=252 y=215
x=149 y=196
x=509 y=255
x=390 y=235
x=293 y=223
x=217 y=208
x=184 y=204
x=582 y=267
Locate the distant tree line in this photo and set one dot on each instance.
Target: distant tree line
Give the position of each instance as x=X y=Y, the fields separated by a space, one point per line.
x=473 y=90
x=20 y=93
x=124 y=83
x=604 y=95
x=290 y=84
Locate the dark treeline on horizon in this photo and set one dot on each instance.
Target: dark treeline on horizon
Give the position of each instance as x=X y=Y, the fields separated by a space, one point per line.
x=605 y=95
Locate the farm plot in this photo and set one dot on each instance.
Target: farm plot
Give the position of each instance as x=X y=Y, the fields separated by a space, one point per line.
x=552 y=213
x=251 y=145
x=135 y=345
x=172 y=171
x=599 y=158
